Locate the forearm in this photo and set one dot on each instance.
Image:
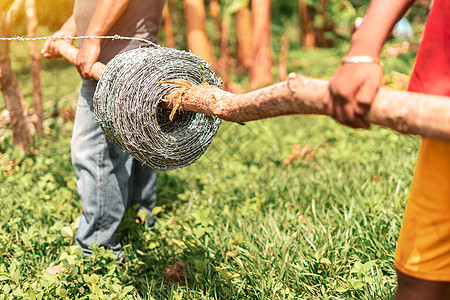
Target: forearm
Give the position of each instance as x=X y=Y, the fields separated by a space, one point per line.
x=106 y=14
x=69 y=27
x=353 y=86
x=381 y=17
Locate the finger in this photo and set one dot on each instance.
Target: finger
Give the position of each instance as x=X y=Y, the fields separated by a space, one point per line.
x=348 y=113
x=344 y=106
x=364 y=98
x=354 y=118
x=85 y=71
x=358 y=122
x=366 y=93
x=338 y=113
x=84 y=74
x=349 y=117
x=46 y=49
x=89 y=76
x=88 y=71
x=81 y=66
x=80 y=70
x=346 y=116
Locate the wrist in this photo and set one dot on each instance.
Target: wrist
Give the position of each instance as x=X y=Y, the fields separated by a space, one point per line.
x=364 y=43
x=361 y=59
x=64 y=33
x=91 y=42
x=93 y=32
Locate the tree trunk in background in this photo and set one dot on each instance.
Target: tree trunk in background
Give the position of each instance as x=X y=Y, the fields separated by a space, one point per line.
x=214 y=10
x=306 y=24
x=282 y=71
x=223 y=23
x=244 y=38
x=327 y=26
x=197 y=39
x=168 y=25
x=9 y=85
x=310 y=34
x=32 y=25
x=261 y=68
x=223 y=20
x=224 y=60
x=214 y=13
x=222 y=66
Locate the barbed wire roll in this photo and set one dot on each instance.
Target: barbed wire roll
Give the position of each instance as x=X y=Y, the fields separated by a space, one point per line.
x=126 y=107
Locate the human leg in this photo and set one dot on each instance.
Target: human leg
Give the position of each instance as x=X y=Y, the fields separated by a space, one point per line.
x=142 y=189
x=411 y=288
x=102 y=172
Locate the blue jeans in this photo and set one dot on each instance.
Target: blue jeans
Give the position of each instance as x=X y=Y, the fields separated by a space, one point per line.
x=109 y=180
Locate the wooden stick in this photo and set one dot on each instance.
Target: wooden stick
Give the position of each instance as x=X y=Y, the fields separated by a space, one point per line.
x=69 y=52
x=405 y=112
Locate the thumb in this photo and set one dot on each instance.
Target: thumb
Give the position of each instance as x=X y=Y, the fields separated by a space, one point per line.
x=365 y=96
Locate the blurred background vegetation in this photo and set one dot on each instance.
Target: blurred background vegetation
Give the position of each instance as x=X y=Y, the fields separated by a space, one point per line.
x=53 y=13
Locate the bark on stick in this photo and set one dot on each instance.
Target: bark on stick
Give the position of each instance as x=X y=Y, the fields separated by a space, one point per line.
x=405 y=112
x=69 y=52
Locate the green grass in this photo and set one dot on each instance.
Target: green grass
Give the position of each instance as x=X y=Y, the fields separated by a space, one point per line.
x=243 y=224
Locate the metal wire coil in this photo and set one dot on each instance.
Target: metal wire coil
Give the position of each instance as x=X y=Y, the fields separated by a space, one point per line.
x=126 y=107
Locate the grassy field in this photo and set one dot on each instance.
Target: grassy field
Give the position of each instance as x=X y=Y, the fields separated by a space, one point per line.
x=247 y=221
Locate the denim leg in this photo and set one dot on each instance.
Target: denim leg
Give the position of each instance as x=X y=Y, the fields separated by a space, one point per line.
x=102 y=175
x=106 y=178
x=142 y=191
x=109 y=180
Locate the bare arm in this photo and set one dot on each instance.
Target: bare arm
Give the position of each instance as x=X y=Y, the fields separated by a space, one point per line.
x=354 y=86
x=106 y=14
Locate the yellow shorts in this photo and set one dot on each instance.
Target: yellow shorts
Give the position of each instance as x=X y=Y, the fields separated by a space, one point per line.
x=423 y=249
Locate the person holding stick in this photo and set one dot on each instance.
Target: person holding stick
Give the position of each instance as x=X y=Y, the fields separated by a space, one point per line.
x=422 y=258
x=109 y=180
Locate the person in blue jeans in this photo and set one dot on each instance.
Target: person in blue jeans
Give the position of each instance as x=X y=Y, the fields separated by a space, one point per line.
x=109 y=180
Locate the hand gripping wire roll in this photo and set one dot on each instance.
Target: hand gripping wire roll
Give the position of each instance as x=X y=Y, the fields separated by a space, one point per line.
x=126 y=107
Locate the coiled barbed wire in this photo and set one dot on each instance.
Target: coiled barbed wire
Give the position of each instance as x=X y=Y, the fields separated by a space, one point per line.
x=127 y=97
x=126 y=106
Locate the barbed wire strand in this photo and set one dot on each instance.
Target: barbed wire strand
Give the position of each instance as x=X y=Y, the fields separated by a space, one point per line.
x=69 y=37
x=126 y=104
